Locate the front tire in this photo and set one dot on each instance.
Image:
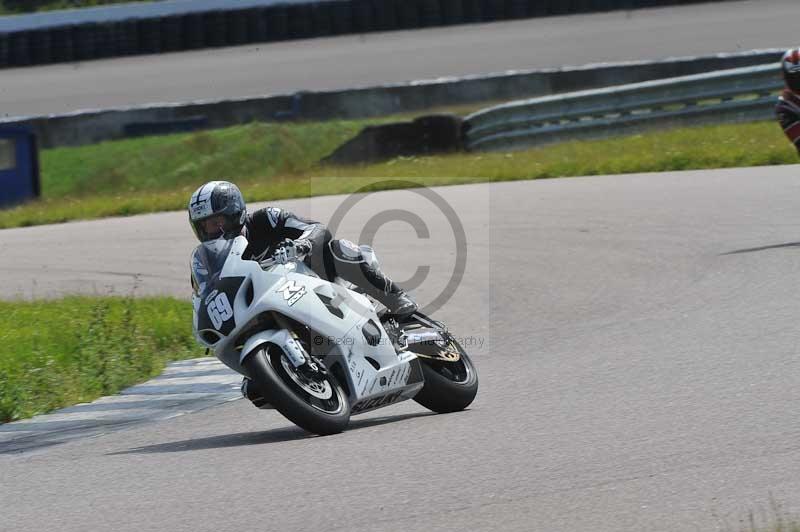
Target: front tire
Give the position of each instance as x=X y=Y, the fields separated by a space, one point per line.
x=318 y=406
x=449 y=386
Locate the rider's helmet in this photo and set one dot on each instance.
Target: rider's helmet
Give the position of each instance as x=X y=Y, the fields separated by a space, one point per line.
x=790 y=65
x=217 y=209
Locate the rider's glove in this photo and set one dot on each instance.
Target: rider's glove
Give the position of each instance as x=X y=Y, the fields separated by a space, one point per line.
x=302 y=246
x=281 y=255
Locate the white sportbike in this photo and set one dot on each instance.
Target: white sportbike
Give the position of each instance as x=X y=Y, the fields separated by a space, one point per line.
x=318 y=351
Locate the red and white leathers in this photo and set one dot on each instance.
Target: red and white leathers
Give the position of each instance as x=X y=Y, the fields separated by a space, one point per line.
x=788 y=108
x=788 y=113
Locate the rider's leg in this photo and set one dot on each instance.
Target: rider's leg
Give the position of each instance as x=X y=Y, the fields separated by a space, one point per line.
x=359 y=265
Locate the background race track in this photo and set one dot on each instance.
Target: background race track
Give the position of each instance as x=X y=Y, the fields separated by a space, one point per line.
x=636 y=336
x=372 y=59
x=639 y=372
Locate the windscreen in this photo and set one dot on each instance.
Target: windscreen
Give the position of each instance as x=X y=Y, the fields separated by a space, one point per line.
x=207 y=262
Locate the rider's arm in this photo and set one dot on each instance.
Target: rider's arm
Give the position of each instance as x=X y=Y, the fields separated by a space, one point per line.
x=285 y=224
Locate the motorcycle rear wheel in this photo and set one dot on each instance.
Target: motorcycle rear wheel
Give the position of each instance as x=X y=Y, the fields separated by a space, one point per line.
x=449 y=386
x=320 y=406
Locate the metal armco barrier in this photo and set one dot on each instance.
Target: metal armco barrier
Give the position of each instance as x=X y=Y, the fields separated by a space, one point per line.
x=736 y=95
x=108 y=35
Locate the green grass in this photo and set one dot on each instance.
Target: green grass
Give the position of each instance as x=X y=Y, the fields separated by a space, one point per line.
x=278 y=161
x=186 y=160
x=62 y=352
x=741 y=145
x=774 y=519
x=783 y=526
x=13 y=7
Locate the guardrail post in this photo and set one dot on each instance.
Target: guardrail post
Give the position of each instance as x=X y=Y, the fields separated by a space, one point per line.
x=171 y=30
x=408 y=14
x=83 y=41
x=62 y=42
x=452 y=12
x=149 y=31
x=105 y=41
x=193 y=33
x=341 y=17
x=431 y=13
x=300 y=22
x=42 y=47
x=558 y=7
x=20 y=49
x=4 y=52
x=321 y=19
x=236 y=22
x=518 y=8
x=214 y=30
x=538 y=8
x=385 y=14
x=494 y=10
x=473 y=11
x=362 y=16
x=277 y=23
x=256 y=25
x=580 y=6
x=125 y=35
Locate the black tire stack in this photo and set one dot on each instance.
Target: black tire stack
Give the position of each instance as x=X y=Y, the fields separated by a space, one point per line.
x=275 y=23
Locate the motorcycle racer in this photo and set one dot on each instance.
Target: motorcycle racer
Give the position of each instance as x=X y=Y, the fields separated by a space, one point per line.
x=788 y=107
x=217 y=210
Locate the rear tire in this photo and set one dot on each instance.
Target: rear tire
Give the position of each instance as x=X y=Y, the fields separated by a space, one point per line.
x=449 y=386
x=300 y=404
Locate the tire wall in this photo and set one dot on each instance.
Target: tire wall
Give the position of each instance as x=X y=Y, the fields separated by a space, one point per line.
x=276 y=23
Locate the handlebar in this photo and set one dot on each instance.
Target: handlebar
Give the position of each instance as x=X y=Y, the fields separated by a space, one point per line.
x=290 y=254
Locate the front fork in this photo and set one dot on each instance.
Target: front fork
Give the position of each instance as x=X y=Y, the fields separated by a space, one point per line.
x=294 y=349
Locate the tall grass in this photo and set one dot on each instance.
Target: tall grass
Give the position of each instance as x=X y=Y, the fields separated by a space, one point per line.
x=61 y=352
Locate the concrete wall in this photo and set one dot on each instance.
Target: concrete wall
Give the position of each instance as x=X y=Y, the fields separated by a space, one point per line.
x=95 y=126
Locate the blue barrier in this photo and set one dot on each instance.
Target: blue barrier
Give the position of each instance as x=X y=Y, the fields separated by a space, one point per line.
x=19 y=166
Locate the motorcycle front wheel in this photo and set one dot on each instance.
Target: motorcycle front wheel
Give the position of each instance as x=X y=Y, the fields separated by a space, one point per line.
x=450 y=386
x=317 y=404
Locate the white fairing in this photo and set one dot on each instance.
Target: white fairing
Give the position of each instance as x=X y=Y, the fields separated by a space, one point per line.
x=334 y=313
x=294 y=351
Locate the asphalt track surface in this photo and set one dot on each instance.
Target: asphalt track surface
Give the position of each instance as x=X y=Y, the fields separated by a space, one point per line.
x=379 y=58
x=639 y=372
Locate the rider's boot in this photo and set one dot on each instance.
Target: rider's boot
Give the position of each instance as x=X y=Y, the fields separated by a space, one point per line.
x=395 y=300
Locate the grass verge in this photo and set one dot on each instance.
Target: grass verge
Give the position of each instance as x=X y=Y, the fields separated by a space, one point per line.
x=13 y=7
x=774 y=519
x=62 y=352
x=278 y=161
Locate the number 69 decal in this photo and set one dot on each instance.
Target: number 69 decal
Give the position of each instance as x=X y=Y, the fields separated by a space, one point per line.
x=219 y=310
